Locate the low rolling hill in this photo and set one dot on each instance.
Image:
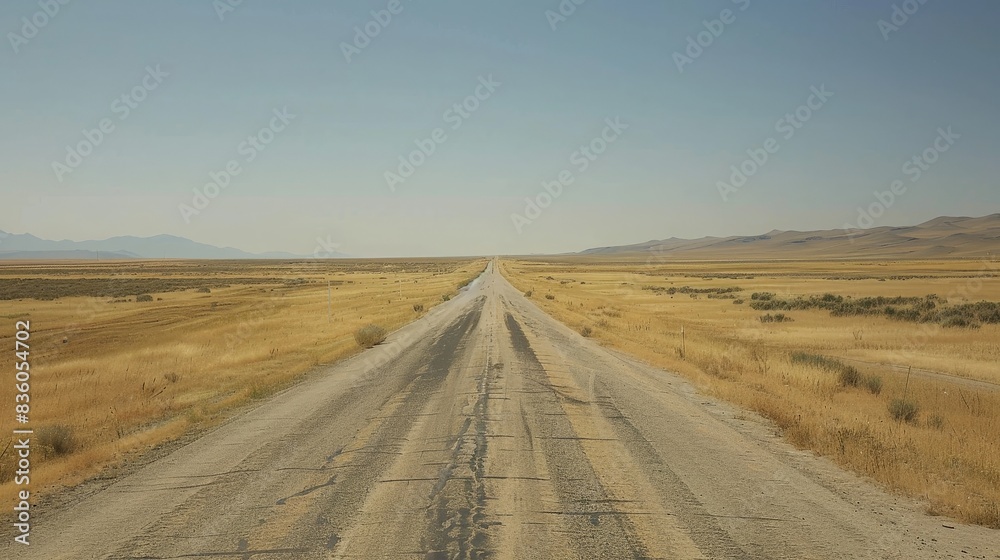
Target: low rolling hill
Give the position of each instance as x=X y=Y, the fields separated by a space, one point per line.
x=944 y=237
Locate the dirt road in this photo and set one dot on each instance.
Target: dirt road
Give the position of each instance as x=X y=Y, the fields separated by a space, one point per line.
x=488 y=430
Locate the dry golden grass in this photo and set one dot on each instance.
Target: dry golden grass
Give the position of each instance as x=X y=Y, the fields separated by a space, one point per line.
x=121 y=377
x=949 y=455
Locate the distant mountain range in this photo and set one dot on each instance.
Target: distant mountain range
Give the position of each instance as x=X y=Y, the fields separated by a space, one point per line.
x=27 y=246
x=939 y=238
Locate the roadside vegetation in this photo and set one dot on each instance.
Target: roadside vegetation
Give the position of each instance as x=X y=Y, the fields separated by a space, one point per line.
x=370 y=335
x=928 y=309
x=872 y=372
x=111 y=378
x=49 y=289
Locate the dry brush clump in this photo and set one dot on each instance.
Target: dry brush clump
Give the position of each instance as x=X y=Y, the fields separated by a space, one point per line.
x=847 y=376
x=874 y=384
x=370 y=335
x=689 y=290
x=47 y=289
x=928 y=309
x=56 y=440
x=904 y=410
x=776 y=318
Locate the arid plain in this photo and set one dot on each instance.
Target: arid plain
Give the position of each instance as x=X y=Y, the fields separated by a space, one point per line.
x=889 y=368
x=128 y=355
x=179 y=397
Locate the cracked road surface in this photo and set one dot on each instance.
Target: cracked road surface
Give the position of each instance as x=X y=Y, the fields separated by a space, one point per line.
x=487 y=430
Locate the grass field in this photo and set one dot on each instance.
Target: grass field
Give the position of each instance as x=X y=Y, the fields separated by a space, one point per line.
x=127 y=355
x=912 y=401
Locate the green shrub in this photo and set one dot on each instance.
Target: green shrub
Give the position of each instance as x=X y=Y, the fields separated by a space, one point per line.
x=849 y=376
x=550 y=296
x=928 y=309
x=586 y=331
x=527 y=294
x=713 y=293
x=959 y=321
x=903 y=410
x=816 y=360
x=874 y=384
x=777 y=318
x=418 y=307
x=143 y=298
x=370 y=335
x=259 y=391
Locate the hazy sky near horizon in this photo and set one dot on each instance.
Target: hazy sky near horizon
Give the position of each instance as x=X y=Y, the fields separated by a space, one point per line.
x=198 y=84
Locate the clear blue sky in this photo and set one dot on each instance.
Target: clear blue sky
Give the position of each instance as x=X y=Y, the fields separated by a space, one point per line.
x=323 y=175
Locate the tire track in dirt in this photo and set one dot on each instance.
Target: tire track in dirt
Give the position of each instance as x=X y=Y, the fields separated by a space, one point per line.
x=324 y=496
x=599 y=529
x=701 y=525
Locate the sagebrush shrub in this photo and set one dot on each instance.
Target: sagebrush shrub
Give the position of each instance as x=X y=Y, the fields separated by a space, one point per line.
x=370 y=335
